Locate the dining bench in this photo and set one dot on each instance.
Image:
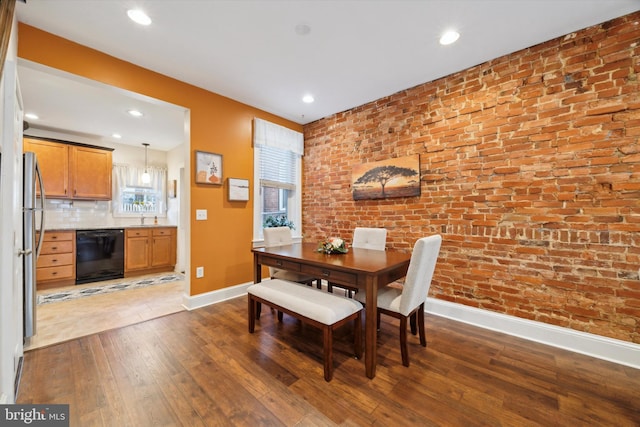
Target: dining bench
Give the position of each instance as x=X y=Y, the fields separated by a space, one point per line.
x=320 y=309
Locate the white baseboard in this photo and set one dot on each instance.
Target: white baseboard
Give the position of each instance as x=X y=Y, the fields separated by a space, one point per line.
x=613 y=350
x=213 y=297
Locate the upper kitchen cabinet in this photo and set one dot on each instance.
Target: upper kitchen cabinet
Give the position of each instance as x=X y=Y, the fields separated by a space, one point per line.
x=73 y=171
x=90 y=173
x=53 y=159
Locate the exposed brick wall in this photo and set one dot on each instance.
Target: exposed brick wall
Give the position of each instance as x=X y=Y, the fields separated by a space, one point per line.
x=530 y=168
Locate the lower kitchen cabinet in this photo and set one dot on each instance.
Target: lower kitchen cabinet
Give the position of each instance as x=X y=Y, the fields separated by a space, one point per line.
x=136 y=249
x=149 y=250
x=56 y=264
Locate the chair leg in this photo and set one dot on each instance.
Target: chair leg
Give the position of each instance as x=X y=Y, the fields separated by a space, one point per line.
x=412 y=323
x=378 y=321
x=252 y=314
x=279 y=316
x=328 y=352
x=403 y=341
x=258 y=309
x=319 y=283
x=357 y=335
x=330 y=287
x=423 y=337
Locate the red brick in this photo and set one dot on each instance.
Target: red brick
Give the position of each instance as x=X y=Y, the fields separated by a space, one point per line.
x=531 y=172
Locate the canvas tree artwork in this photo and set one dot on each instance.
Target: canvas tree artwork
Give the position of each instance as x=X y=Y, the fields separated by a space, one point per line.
x=398 y=177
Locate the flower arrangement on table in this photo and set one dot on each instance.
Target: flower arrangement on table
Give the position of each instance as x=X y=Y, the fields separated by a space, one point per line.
x=333 y=245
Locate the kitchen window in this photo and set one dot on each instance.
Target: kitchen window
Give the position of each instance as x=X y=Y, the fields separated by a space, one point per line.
x=133 y=198
x=277 y=176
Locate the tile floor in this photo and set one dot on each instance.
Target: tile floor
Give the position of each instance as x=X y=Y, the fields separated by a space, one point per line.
x=62 y=321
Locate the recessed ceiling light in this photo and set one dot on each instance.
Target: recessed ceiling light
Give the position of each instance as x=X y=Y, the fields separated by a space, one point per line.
x=31 y=116
x=116 y=135
x=135 y=113
x=139 y=17
x=303 y=29
x=449 y=37
x=308 y=99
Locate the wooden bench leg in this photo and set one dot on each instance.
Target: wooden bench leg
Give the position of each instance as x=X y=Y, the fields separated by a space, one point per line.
x=328 y=352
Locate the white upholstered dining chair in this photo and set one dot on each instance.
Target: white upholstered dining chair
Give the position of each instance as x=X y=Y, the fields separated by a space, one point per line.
x=281 y=236
x=408 y=302
x=365 y=238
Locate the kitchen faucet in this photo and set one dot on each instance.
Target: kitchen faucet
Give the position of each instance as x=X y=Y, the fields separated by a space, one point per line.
x=141 y=219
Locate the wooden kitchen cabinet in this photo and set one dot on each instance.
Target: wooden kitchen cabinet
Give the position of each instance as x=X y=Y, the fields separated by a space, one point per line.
x=136 y=249
x=90 y=174
x=73 y=171
x=149 y=250
x=56 y=265
x=163 y=248
x=53 y=159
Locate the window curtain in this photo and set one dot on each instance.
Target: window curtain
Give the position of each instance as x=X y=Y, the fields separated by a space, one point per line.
x=272 y=135
x=130 y=176
x=279 y=148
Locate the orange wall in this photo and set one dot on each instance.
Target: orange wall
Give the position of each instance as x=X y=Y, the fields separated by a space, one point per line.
x=218 y=124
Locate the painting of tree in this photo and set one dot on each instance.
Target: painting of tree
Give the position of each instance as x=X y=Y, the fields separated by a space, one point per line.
x=390 y=178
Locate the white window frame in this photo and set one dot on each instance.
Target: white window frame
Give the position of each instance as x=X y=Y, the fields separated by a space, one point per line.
x=277 y=136
x=132 y=181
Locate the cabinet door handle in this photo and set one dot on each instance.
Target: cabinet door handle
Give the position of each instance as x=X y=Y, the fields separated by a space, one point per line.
x=54 y=248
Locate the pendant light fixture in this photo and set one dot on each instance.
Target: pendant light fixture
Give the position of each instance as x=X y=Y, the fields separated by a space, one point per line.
x=146 y=178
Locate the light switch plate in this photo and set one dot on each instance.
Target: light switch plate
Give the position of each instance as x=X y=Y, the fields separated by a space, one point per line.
x=199 y=272
x=201 y=214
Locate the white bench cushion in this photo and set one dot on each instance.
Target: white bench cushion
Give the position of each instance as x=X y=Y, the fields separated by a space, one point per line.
x=313 y=303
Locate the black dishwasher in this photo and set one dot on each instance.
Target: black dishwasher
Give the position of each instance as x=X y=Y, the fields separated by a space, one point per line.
x=99 y=255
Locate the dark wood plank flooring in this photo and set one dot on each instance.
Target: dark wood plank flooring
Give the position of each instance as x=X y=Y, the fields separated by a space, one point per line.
x=202 y=368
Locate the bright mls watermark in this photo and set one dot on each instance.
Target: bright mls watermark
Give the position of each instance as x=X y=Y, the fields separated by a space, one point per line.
x=34 y=415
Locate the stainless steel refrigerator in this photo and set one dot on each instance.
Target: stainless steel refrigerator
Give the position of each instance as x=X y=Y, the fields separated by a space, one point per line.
x=33 y=223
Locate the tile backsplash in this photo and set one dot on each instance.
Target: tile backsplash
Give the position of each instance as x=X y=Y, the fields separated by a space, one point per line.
x=77 y=214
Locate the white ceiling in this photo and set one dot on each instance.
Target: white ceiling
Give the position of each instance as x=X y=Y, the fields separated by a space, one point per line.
x=248 y=50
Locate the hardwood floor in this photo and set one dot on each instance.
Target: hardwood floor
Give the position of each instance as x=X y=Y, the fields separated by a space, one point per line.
x=203 y=368
x=61 y=321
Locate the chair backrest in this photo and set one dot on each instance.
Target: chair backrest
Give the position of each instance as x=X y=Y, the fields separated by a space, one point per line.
x=277 y=236
x=421 y=268
x=370 y=238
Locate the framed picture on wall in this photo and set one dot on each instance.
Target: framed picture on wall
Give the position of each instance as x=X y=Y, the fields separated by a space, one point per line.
x=208 y=168
x=238 y=189
x=397 y=177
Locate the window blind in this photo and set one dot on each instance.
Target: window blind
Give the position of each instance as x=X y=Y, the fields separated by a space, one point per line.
x=277 y=168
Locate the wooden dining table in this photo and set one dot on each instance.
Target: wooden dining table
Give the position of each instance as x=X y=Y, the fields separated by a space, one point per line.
x=366 y=269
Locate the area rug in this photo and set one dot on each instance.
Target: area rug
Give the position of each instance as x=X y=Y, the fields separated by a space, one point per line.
x=71 y=294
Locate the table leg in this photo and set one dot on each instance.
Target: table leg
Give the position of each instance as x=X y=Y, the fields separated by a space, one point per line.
x=257 y=278
x=371 y=333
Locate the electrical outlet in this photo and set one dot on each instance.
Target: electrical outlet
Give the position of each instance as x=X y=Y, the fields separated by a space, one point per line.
x=199 y=272
x=201 y=214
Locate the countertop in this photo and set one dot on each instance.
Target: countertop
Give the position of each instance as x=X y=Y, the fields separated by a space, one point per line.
x=108 y=227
